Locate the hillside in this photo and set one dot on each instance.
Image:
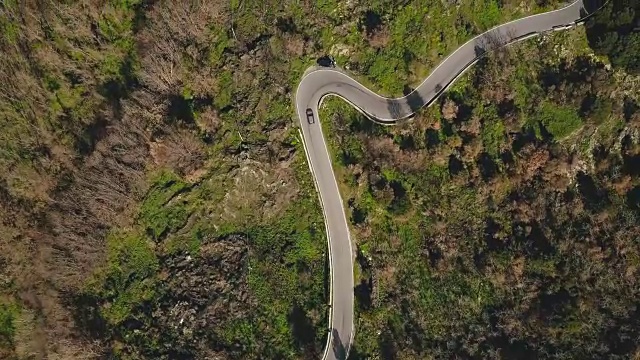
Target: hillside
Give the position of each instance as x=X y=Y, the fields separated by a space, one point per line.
x=155 y=201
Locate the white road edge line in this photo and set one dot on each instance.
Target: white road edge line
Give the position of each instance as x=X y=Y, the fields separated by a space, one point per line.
x=326 y=229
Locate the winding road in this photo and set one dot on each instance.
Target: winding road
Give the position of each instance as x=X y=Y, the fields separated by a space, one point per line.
x=317 y=83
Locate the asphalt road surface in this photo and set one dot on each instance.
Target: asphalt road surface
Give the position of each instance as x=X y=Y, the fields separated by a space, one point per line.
x=320 y=82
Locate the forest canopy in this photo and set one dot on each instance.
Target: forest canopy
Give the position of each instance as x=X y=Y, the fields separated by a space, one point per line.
x=615 y=32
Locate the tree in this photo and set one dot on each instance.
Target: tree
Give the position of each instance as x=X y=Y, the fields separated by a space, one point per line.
x=613 y=32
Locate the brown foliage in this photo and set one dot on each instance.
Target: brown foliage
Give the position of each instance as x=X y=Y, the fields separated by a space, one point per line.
x=449 y=110
x=174 y=42
x=179 y=150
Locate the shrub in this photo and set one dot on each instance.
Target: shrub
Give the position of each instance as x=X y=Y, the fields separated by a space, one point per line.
x=158 y=214
x=559 y=121
x=127 y=281
x=8 y=313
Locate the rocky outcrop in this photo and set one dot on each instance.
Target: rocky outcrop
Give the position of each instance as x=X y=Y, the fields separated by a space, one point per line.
x=201 y=291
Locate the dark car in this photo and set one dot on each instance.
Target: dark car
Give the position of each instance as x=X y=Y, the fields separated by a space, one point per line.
x=326 y=61
x=310 y=118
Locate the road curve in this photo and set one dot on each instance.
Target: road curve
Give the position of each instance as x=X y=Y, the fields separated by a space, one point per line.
x=318 y=83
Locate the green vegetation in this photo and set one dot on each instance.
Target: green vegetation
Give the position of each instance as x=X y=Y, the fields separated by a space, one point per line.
x=493 y=131
x=559 y=121
x=117 y=69
x=128 y=279
x=283 y=283
x=156 y=201
x=485 y=260
x=401 y=51
x=488 y=14
x=283 y=275
x=225 y=90
x=8 y=315
x=493 y=136
x=162 y=209
x=220 y=43
x=613 y=32
x=601 y=110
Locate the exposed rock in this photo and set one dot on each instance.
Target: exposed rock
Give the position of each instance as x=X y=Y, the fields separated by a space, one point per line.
x=200 y=291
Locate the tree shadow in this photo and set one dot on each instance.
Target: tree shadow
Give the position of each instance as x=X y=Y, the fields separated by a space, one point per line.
x=521 y=139
x=432 y=138
x=594 y=198
x=455 y=165
x=357 y=354
x=120 y=87
x=324 y=61
x=633 y=198
x=631 y=164
x=87 y=316
x=412 y=99
x=180 y=109
x=286 y=25
x=140 y=13
x=587 y=104
x=339 y=350
x=388 y=348
x=537 y=244
x=552 y=304
x=408 y=57
x=406 y=142
x=487 y=166
x=92 y=134
x=370 y=23
x=348 y=158
x=479 y=50
x=363 y=261
x=629 y=108
x=363 y=292
x=590 y=6
x=304 y=333
x=400 y=203
x=507 y=159
x=580 y=70
x=510 y=348
x=549 y=76
x=394 y=109
x=358 y=215
x=412 y=329
x=465 y=111
x=491 y=229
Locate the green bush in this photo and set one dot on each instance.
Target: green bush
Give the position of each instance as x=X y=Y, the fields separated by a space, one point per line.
x=224 y=94
x=127 y=281
x=9 y=30
x=493 y=131
x=559 y=121
x=487 y=14
x=158 y=214
x=8 y=314
x=601 y=110
x=493 y=136
x=285 y=268
x=119 y=63
x=220 y=43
